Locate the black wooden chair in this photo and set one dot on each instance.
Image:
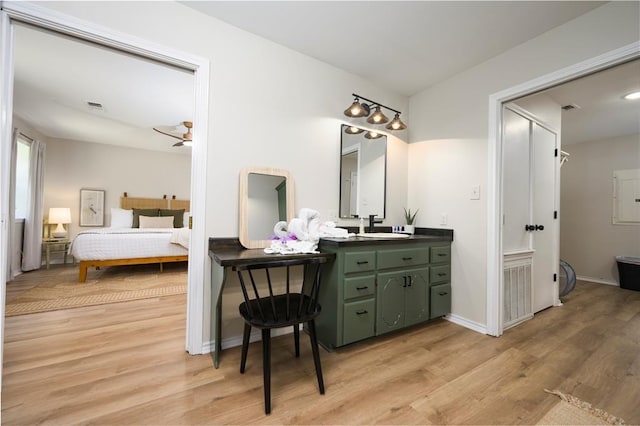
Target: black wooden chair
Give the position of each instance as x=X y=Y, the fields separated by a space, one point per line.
x=281 y=309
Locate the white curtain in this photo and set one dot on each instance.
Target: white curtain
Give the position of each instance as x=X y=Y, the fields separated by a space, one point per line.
x=32 y=245
x=11 y=273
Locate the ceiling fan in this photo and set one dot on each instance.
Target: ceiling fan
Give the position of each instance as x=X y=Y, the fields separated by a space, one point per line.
x=185 y=139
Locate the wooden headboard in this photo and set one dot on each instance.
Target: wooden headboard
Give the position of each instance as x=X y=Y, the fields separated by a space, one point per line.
x=129 y=203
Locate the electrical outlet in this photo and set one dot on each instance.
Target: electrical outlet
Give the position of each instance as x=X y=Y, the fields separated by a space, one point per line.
x=443 y=219
x=475 y=192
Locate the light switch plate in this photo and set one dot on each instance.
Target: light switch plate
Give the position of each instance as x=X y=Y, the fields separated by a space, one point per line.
x=475 y=192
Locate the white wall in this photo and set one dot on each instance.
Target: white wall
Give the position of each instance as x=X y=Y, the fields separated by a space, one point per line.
x=589 y=240
x=448 y=126
x=269 y=106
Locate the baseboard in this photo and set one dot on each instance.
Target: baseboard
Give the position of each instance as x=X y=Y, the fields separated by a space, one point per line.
x=471 y=325
x=596 y=280
x=231 y=342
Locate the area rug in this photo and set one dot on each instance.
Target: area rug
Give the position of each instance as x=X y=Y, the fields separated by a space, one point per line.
x=60 y=290
x=573 y=411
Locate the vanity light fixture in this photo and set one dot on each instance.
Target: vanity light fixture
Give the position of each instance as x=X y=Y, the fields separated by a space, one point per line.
x=358 y=110
x=632 y=96
x=353 y=130
x=372 y=135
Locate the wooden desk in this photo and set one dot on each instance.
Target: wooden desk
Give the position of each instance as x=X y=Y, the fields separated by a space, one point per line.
x=228 y=253
x=55 y=245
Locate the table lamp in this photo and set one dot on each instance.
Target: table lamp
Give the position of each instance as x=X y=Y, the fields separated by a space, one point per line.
x=59 y=215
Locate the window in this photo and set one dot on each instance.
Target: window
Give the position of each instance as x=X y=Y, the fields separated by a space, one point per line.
x=22 y=177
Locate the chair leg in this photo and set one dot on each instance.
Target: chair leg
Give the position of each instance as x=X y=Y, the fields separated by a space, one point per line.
x=266 y=367
x=296 y=338
x=316 y=354
x=245 y=347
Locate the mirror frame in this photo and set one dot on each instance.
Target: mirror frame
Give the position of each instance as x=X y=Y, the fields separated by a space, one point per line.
x=384 y=186
x=243 y=217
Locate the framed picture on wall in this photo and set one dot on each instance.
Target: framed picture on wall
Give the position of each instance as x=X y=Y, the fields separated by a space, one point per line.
x=91 y=207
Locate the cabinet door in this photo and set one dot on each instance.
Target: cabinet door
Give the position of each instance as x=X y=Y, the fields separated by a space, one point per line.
x=359 y=319
x=440 y=300
x=416 y=297
x=390 y=301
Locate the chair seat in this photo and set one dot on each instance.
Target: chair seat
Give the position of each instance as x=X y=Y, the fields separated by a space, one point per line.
x=286 y=311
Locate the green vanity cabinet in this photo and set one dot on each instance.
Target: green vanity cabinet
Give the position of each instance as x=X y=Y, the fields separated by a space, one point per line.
x=377 y=286
x=402 y=299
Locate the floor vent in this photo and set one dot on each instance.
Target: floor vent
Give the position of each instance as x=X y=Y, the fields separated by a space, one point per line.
x=518 y=304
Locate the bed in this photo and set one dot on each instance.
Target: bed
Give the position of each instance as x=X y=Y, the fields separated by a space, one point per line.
x=128 y=245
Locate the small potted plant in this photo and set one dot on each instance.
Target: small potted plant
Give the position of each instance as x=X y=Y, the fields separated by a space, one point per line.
x=409 y=218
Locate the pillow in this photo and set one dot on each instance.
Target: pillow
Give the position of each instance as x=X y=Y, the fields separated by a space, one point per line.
x=121 y=218
x=185 y=219
x=178 y=216
x=156 y=221
x=142 y=212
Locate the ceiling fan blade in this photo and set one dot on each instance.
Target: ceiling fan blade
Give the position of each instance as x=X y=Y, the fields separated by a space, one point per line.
x=168 y=134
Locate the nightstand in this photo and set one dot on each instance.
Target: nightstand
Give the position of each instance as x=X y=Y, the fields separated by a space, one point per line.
x=55 y=245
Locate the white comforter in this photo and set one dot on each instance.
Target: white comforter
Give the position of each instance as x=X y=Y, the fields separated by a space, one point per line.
x=129 y=243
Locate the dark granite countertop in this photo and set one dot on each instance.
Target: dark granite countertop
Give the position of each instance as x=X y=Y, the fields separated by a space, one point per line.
x=422 y=235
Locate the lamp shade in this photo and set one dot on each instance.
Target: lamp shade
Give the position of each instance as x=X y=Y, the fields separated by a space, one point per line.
x=59 y=215
x=396 y=124
x=377 y=117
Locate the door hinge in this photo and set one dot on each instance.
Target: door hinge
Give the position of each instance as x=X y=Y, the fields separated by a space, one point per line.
x=555 y=214
x=555 y=152
x=555 y=277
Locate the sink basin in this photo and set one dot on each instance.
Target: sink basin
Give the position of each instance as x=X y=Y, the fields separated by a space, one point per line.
x=383 y=235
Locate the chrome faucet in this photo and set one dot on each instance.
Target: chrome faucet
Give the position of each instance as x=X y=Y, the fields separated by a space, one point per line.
x=373 y=221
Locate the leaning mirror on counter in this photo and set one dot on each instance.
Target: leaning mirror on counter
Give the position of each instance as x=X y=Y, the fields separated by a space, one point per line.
x=363 y=173
x=266 y=198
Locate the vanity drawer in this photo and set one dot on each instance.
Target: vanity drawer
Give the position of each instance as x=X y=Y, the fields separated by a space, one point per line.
x=399 y=258
x=359 y=320
x=439 y=274
x=440 y=254
x=359 y=286
x=360 y=261
x=440 y=300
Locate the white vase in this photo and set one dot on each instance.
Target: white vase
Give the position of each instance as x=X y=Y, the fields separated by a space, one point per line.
x=409 y=229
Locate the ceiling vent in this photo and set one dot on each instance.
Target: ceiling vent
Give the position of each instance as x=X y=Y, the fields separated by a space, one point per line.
x=570 y=107
x=95 y=106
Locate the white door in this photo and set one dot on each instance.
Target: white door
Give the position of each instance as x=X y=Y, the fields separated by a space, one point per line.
x=530 y=194
x=544 y=158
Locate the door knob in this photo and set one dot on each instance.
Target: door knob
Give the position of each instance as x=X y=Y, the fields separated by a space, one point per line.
x=529 y=228
x=539 y=228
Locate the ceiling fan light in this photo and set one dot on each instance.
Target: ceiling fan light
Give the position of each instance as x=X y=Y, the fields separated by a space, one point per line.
x=377 y=117
x=353 y=130
x=372 y=135
x=632 y=96
x=357 y=109
x=396 y=123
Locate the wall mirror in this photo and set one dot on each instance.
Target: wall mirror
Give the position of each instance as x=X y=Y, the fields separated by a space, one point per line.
x=266 y=198
x=363 y=174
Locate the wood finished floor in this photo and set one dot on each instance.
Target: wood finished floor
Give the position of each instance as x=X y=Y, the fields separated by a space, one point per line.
x=125 y=363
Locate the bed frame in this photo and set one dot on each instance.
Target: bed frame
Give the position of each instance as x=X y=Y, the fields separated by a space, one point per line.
x=127 y=202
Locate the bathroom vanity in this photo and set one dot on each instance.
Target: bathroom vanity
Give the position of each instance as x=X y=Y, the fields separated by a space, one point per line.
x=378 y=285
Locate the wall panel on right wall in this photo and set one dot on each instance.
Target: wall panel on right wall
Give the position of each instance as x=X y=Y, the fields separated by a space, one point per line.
x=589 y=241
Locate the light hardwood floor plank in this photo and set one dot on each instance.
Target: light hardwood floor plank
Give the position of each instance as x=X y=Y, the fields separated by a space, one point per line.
x=125 y=364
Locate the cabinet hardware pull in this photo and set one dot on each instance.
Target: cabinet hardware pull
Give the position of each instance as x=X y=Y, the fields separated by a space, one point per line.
x=441 y=254
x=405 y=281
x=443 y=293
x=362 y=262
x=410 y=280
x=441 y=274
x=362 y=288
x=362 y=312
x=407 y=258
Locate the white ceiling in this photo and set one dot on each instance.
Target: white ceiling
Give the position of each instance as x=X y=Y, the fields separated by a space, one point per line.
x=55 y=76
x=405 y=46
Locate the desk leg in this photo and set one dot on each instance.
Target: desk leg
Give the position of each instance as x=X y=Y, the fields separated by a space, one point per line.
x=218 y=328
x=66 y=248
x=48 y=255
